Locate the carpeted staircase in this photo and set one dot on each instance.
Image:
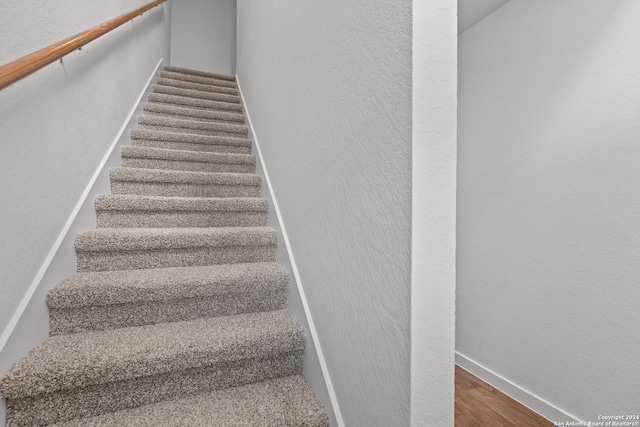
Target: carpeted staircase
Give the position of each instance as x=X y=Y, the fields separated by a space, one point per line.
x=177 y=315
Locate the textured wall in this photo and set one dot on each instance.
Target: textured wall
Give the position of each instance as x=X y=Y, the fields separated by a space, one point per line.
x=549 y=201
x=328 y=85
x=472 y=11
x=57 y=124
x=203 y=35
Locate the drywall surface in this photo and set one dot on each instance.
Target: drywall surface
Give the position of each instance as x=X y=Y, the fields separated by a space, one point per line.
x=328 y=85
x=470 y=12
x=433 y=220
x=313 y=370
x=56 y=127
x=549 y=201
x=203 y=35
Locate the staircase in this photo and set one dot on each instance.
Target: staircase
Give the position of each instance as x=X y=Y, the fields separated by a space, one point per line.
x=177 y=315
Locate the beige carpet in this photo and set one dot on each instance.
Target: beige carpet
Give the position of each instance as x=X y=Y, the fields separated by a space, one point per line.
x=177 y=315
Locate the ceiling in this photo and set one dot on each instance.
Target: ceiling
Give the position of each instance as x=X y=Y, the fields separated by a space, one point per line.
x=472 y=11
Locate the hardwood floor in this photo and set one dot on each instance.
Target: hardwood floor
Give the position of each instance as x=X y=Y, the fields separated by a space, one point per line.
x=479 y=404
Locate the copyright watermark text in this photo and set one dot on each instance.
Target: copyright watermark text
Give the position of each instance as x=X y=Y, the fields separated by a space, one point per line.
x=605 y=421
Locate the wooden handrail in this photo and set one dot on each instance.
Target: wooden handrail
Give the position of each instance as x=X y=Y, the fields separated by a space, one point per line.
x=20 y=68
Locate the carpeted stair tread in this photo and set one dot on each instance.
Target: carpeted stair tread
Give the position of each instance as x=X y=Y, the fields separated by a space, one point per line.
x=83 y=359
x=184 y=183
x=195 y=102
x=282 y=402
x=198 y=79
x=193 y=125
x=92 y=400
x=187 y=156
x=163 y=284
x=192 y=72
x=166 y=81
x=165 y=161
x=96 y=301
x=125 y=202
x=140 y=239
x=140 y=248
x=184 y=177
x=175 y=139
x=161 y=135
x=199 y=94
x=211 y=146
x=194 y=113
x=136 y=211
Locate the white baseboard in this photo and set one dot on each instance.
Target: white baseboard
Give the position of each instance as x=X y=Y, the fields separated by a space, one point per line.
x=29 y=324
x=525 y=397
x=296 y=275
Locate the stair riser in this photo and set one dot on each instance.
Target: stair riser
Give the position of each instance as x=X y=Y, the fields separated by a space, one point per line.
x=192 y=131
x=199 y=79
x=183 y=190
x=207 y=148
x=211 y=120
x=98 y=399
x=133 y=260
x=134 y=162
x=154 y=120
x=191 y=71
x=141 y=219
x=195 y=102
x=98 y=318
x=182 y=84
x=210 y=96
x=194 y=113
x=146 y=133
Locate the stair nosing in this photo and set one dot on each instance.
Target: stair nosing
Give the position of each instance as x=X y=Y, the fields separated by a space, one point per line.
x=150 y=239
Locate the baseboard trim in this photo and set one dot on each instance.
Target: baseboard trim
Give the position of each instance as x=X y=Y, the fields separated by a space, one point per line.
x=38 y=279
x=312 y=329
x=525 y=397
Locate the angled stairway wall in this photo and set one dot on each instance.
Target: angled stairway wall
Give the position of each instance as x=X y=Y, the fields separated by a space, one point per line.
x=30 y=322
x=79 y=105
x=56 y=127
x=328 y=86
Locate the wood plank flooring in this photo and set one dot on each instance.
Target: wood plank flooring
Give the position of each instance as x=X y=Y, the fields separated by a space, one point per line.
x=479 y=405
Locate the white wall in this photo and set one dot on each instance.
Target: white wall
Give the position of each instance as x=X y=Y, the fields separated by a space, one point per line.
x=55 y=128
x=549 y=201
x=433 y=203
x=328 y=85
x=472 y=11
x=203 y=35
